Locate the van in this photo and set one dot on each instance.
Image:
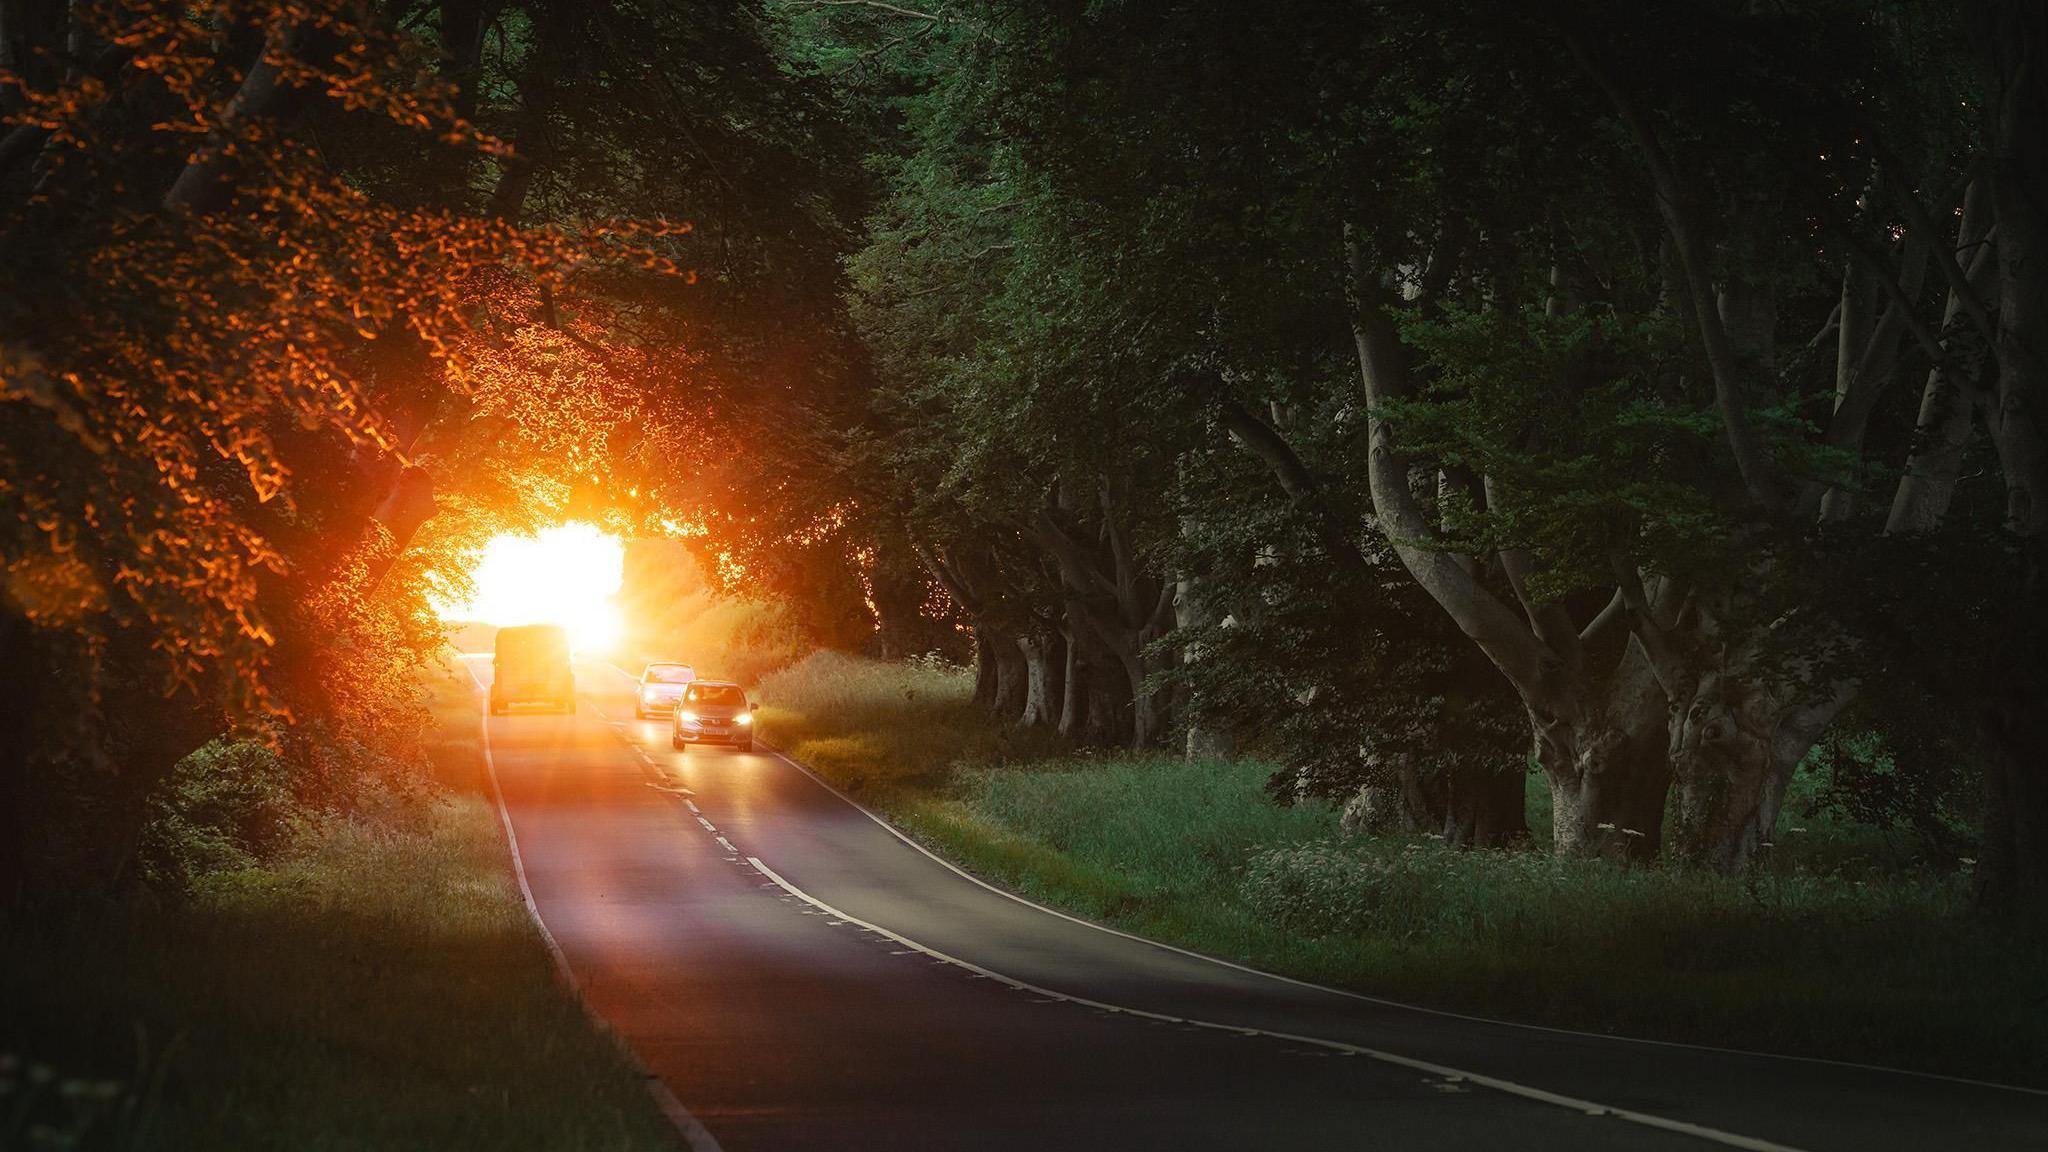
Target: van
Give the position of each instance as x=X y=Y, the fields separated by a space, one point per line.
x=532 y=667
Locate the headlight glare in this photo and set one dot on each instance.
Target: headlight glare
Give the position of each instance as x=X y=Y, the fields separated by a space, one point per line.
x=744 y=718
x=686 y=714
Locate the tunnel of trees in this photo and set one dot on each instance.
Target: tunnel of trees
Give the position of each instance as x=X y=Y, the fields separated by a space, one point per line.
x=1417 y=396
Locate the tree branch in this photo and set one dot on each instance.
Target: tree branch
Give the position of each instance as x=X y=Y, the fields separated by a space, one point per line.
x=1499 y=631
x=1958 y=280
x=1752 y=459
x=200 y=184
x=1080 y=568
x=1888 y=279
x=1669 y=665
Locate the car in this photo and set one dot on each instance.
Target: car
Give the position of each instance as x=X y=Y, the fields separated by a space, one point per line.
x=531 y=666
x=661 y=685
x=713 y=712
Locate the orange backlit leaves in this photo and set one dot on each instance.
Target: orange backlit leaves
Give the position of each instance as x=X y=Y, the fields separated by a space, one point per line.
x=200 y=345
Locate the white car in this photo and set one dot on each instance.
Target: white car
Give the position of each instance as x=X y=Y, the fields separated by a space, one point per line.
x=661 y=685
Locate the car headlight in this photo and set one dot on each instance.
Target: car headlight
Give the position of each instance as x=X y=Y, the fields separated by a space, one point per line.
x=648 y=694
x=686 y=714
x=744 y=718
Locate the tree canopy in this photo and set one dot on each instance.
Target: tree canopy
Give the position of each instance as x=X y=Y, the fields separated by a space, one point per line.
x=1641 y=395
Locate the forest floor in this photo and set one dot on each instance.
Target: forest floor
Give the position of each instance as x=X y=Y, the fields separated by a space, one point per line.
x=1843 y=944
x=381 y=986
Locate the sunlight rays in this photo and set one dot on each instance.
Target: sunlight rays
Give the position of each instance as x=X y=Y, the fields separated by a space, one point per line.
x=566 y=575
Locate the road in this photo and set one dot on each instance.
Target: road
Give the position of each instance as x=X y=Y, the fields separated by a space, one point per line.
x=799 y=976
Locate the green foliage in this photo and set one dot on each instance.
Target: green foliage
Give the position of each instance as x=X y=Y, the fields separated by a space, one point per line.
x=384 y=990
x=1845 y=942
x=381 y=987
x=1420 y=890
x=1172 y=828
x=1586 y=453
x=227 y=806
x=1859 y=777
x=1838 y=946
x=870 y=726
x=1341 y=675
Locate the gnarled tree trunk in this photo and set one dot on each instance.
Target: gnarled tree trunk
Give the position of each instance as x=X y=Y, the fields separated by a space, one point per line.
x=1044 y=667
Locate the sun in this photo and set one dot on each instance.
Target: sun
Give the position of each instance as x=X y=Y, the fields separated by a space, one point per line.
x=566 y=575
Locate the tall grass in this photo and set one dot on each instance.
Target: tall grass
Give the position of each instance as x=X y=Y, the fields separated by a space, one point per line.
x=381 y=988
x=1840 y=946
x=868 y=725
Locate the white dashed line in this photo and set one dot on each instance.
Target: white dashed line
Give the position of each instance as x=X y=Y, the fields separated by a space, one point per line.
x=728 y=845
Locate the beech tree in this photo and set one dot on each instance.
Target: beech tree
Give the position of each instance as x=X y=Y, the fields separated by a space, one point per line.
x=300 y=301
x=1592 y=317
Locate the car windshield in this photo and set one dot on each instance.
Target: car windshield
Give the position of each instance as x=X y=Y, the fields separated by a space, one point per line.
x=716 y=694
x=669 y=674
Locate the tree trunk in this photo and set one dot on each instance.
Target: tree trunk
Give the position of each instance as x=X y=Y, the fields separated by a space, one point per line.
x=984 y=668
x=1146 y=718
x=2013 y=867
x=1864 y=366
x=1193 y=608
x=2012 y=36
x=1073 y=691
x=1588 y=769
x=1951 y=398
x=1734 y=746
x=202 y=185
x=1484 y=807
x=1109 y=706
x=1722 y=755
x=1042 y=669
x=1012 y=680
x=26 y=678
x=1609 y=776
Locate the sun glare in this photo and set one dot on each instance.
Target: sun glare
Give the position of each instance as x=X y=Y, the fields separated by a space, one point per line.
x=566 y=575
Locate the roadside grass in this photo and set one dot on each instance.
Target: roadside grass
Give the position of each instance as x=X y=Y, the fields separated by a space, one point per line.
x=870 y=726
x=379 y=988
x=1839 y=946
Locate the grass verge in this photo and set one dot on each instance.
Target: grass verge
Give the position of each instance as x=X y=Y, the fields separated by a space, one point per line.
x=381 y=988
x=1833 y=950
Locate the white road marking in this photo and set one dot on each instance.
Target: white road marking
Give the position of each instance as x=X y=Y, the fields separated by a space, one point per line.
x=1342 y=1048
x=1436 y=1071
x=693 y=807
x=695 y=1135
x=728 y=844
x=708 y=825
x=1350 y=994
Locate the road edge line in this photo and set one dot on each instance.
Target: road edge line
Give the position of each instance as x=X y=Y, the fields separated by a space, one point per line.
x=1446 y=1072
x=692 y=1130
x=1350 y=994
x=1367 y=998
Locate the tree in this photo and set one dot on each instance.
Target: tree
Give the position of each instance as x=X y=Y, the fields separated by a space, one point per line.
x=301 y=301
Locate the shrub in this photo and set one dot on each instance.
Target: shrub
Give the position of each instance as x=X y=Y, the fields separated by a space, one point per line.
x=226 y=806
x=1408 y=890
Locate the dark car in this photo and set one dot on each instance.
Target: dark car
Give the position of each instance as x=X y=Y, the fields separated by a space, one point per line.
x=713 y=712
x=532 y=667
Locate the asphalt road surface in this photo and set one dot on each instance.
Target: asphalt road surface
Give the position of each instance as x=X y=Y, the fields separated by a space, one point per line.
x=799 y=977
